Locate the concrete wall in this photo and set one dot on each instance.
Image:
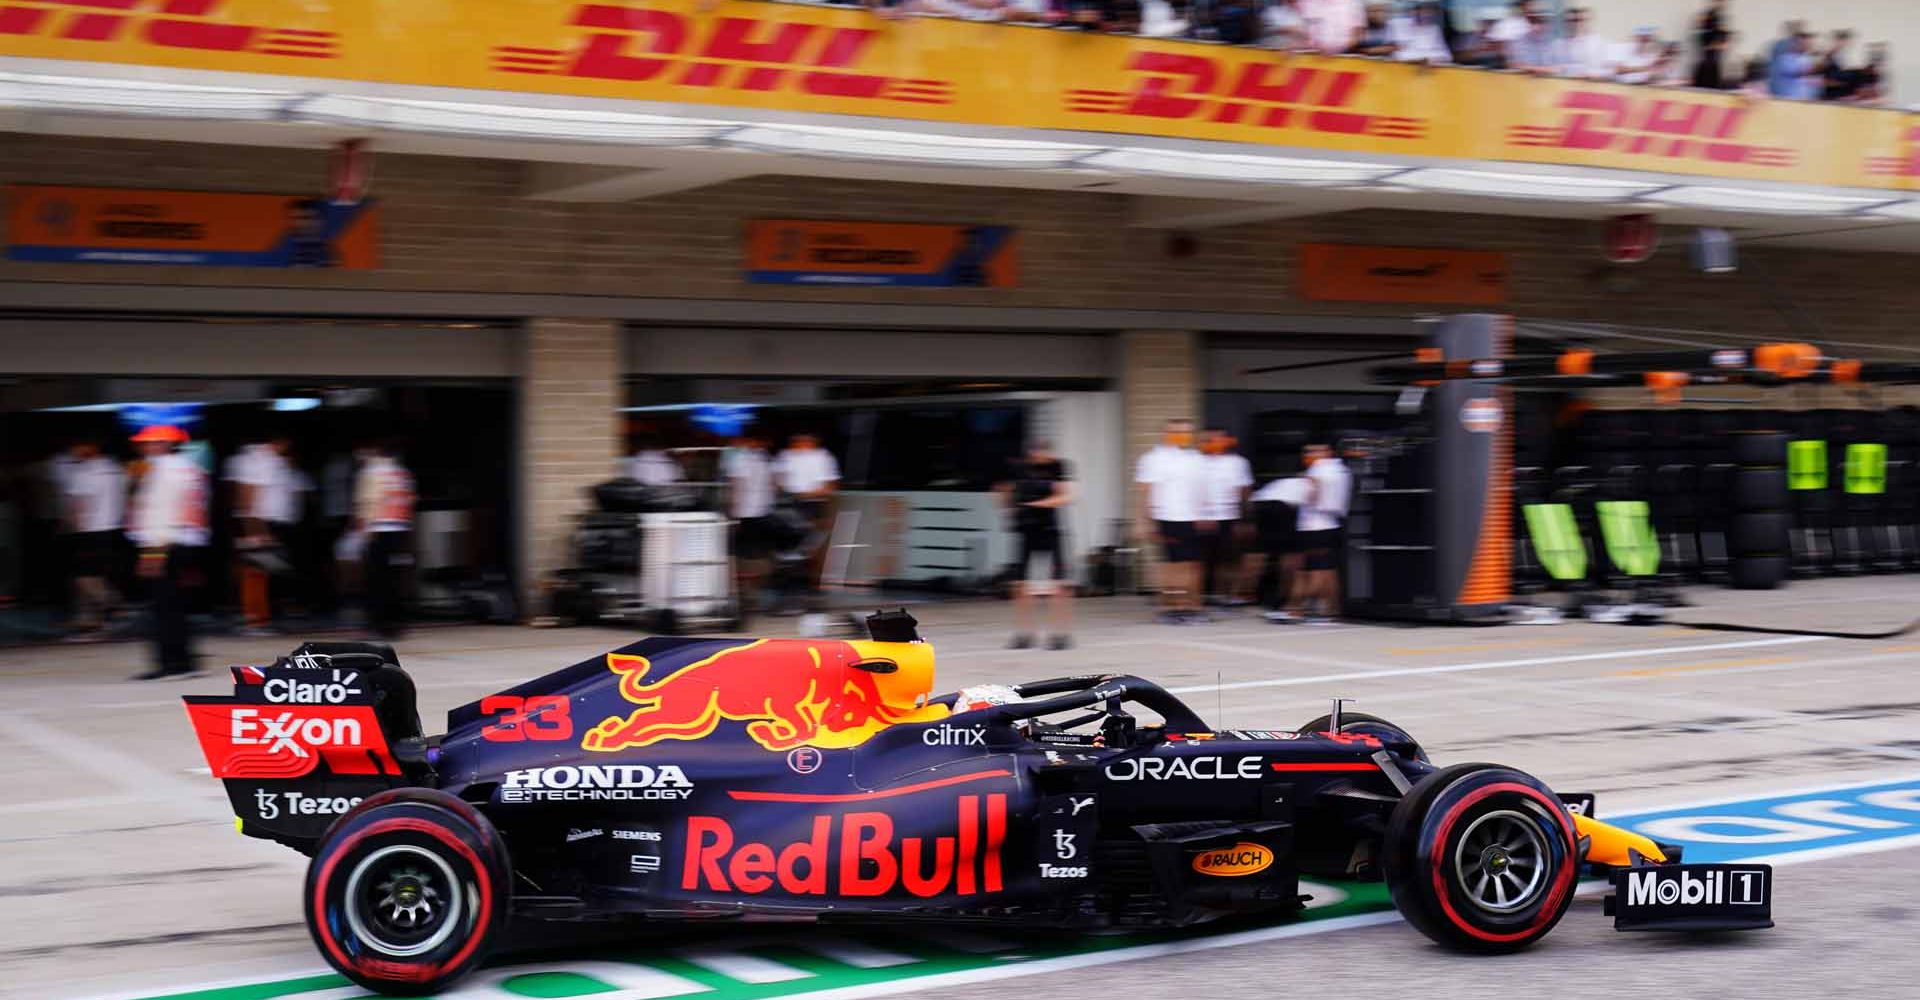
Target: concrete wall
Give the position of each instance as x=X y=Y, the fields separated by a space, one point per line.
x=570 y=392
x=455 y=225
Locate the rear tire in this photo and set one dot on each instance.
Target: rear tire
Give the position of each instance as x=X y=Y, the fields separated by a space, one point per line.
x=1481 y=858
x=407 y=892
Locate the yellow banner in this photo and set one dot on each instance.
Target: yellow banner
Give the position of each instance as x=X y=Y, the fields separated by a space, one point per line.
x=839 y=61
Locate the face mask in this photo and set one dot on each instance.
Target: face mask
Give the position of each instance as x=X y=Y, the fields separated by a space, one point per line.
x=1180 y=439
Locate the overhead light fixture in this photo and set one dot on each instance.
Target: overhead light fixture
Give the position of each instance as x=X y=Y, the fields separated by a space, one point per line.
x=1770 y=201
x=503 y=121
x=906 y=147
x=295 y=404
x=138 y=98
x=1231 y=167
x=1536 y=187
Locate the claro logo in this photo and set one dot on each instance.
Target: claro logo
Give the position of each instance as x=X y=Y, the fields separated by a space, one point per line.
x=173 y=24
x=1192 y=87
x=1656 y=127
x=1241 y=859
x=645 y=44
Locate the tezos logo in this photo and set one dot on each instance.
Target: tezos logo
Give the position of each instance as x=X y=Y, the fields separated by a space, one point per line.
x=1242 y=858
x=293 y=691
x=1063 y=845
x=1184 y=768
x=1062 y=871
x=944 y=735
x=289 y=732
x=596 y=783
x=268 y=805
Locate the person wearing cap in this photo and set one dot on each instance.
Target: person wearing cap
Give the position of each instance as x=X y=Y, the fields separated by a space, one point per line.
x=169 y=526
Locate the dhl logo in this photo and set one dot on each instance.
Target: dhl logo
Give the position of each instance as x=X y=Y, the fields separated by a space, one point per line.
x=1906 y=164
x=177 y=24
x=1185 y=86
x=643 y=44
x=1596 y=121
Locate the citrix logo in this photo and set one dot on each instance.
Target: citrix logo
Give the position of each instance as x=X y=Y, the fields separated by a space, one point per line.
x=944 y=735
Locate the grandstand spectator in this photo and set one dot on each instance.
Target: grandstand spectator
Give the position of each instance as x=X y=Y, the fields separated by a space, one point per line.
x=1709 y=70
x=1376 y=38
x=1589 y=56
x=1418 y=35
x=1875 y=78
x=1753 y=82
x=1333 y=26
x=1790 y=70
x=1709 y=24
x=1478 y=48
x=1540 y=50
x=1282 y=27
x=1163 y=18
x=1236 y=22
x=1641 y=60
x=1838 y=80
x=1512 y=28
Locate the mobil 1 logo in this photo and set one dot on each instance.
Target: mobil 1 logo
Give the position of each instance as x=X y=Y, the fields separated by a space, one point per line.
x=1063 y=837
x=1692 y=897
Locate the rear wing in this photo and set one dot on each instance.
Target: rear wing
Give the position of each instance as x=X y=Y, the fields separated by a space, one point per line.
x=300 y=742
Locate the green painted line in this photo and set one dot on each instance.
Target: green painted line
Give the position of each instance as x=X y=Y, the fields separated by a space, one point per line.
x=824 y=973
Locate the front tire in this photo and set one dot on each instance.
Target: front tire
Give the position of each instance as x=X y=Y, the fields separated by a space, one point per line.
x=1362 y=724
x=1481 y=858
x=407 y=892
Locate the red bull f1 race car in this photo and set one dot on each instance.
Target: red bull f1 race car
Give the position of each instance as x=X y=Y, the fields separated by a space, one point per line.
x=693 y=779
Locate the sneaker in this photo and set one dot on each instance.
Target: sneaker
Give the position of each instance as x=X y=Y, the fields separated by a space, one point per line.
x=1282 y=617
x=1197 y=616
x=1021 y=642
x=1321 y=620
x=1173 y=618
x=1060 y=642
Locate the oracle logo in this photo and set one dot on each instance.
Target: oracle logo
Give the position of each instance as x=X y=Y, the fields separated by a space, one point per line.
x=648 y=45
x=1665 y=127
x=1192 y=87
x=175 y=24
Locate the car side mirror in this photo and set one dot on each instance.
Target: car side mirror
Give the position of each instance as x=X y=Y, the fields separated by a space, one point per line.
x=878 y=666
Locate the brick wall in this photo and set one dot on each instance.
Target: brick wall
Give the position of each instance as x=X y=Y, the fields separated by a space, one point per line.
x=1159 y=381
x=570 y=392
x=455 y=224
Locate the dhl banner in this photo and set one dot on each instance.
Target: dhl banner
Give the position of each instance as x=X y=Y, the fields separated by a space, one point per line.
x=1331 y=272
x=845 y=61
x=797 y=252
x=128 y=226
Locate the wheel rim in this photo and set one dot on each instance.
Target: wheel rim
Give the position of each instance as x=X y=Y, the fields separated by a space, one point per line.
x=1501 y=861
x=403 y=900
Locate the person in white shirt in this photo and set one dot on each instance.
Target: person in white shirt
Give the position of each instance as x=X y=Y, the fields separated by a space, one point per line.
x=1640 y=61
x=94 y=503
x=1320 y=534
x=1589 y=56
x=1229 y=479
x=249 y=474
x=808 y=473
x=1511 y=29
x=748 y=473
x=1172 y=482
x=1418 y=35
x=652 y=466
x=383 y=516
x=170 y=527
x=1276 y=509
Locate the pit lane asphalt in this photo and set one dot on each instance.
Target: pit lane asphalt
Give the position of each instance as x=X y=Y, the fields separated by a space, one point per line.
x=119 y=869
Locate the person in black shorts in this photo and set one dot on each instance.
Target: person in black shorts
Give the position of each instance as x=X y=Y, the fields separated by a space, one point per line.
x=1037 y=488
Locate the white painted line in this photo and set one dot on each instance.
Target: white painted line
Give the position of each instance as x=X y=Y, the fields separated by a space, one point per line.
x=847 y=951
x=634 y=982
x=1838 y=851
x=1462 y=668
x=743 y=967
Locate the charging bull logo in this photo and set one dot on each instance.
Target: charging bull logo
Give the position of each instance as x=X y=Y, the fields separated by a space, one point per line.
x=790 y=693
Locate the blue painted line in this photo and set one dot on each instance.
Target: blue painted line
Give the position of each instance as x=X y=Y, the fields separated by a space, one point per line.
x=1830 y=821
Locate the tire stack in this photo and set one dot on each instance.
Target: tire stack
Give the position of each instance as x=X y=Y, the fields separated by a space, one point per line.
x=1757 y=544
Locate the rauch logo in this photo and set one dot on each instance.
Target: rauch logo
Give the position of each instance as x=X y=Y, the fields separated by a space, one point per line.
x=644 y=44
x=174 y=24
x=1242 y=858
